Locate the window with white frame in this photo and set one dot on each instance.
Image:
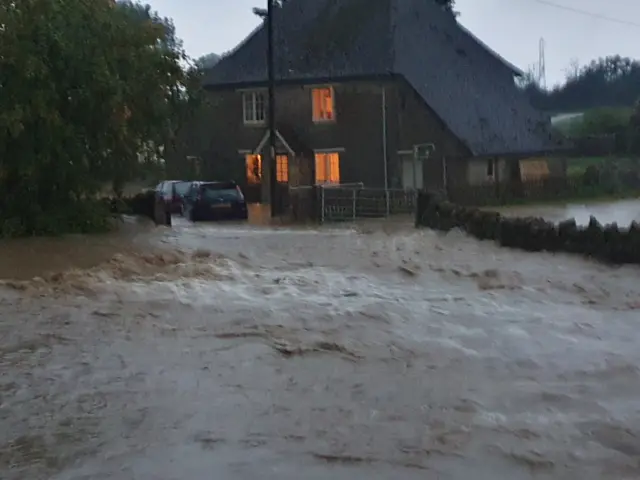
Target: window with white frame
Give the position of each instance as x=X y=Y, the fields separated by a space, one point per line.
x=254 y=107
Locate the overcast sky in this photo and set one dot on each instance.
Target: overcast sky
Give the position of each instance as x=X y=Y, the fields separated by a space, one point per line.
x=511 y=27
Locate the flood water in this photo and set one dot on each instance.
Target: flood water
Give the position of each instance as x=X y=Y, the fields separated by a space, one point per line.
x=622 y=212
x=375 y=351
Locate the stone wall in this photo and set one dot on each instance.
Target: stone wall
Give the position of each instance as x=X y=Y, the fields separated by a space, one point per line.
x=607 y=243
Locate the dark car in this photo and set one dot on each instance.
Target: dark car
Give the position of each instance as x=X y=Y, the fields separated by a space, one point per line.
x=172 y=193
x=215 y=201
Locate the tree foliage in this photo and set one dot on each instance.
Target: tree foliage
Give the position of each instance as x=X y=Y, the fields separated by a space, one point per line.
x=90 y=91
x=634 y=130
x=600 y=121
x=606 y=82
x=448 y=5
x=606 y=90
x=207 y=61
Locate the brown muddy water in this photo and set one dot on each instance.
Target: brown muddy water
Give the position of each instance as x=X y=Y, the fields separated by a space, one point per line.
x=375 y=351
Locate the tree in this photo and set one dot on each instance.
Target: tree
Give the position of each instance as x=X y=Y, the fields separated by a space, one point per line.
x=572 y=72
x=635 y=116
x=612 y=81
x=634 y=130
x=262 y=11
x=449 y=6
x=602 y=121
x=207 y=61
x=91 y=92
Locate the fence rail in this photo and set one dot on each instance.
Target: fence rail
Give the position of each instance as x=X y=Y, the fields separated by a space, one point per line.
x=348 y=203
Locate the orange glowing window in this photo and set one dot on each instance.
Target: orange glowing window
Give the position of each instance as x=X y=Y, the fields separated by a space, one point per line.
x=282 y=168
x=323 y=104
x=254 y=169
x=327 y=167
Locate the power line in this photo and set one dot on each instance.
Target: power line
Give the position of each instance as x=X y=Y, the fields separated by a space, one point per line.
x=587 y=13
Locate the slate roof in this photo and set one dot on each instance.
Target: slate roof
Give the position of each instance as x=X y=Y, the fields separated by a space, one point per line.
x=469 y=86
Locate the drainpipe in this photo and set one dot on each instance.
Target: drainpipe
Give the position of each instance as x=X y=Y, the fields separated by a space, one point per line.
x=273 y=180
x=384 y=138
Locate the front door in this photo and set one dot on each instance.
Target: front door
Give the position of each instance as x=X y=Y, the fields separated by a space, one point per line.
x=412 y=172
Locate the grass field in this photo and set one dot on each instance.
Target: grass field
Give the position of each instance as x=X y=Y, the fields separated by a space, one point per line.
x=577 y=166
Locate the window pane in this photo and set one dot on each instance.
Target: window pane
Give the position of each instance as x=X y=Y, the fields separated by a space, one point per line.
x=282 y=168
x=321 y=167
x=328 y=167
x=254 y=168
x=334 y=168
x=323 y=105
x=254 y=107
x=225 y=190
x=328 y=104
x=182 y=187
x=247 y=107
x=259 y=107
x=317 y=104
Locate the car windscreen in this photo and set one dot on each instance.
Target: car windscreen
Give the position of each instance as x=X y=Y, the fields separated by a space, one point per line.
x=181 y=188
x=215 y=191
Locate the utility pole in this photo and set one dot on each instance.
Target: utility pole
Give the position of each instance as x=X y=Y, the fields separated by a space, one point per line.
x=273 y=171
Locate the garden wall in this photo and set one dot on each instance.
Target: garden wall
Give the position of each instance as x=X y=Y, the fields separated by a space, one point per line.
x=607 y=243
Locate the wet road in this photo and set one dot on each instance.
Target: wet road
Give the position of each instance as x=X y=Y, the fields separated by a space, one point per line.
x=380 y=352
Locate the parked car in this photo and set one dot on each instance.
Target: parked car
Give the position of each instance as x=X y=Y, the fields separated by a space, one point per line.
x=215 y=201
x=172 y=193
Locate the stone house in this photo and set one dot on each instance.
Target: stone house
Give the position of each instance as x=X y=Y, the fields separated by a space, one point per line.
x=391 y=93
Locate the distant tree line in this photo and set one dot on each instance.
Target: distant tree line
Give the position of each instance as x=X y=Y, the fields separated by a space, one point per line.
x=612 y=81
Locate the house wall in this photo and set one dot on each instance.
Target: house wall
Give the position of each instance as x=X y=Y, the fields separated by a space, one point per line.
x=357 y=131
x=412 y=122
x=477 y=169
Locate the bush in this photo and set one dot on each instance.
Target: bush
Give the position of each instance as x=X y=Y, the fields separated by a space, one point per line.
x=141 y=204
x=80 y=216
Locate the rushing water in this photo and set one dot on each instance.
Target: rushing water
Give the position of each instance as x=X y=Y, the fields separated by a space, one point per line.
x=232 y=352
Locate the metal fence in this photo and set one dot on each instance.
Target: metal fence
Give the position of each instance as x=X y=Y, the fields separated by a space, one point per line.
x=348 y=202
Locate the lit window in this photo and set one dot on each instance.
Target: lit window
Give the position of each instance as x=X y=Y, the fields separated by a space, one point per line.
x=327 y=167
x=254 y=107
x=323 y=104
x=254 y=169
x=282 y=168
